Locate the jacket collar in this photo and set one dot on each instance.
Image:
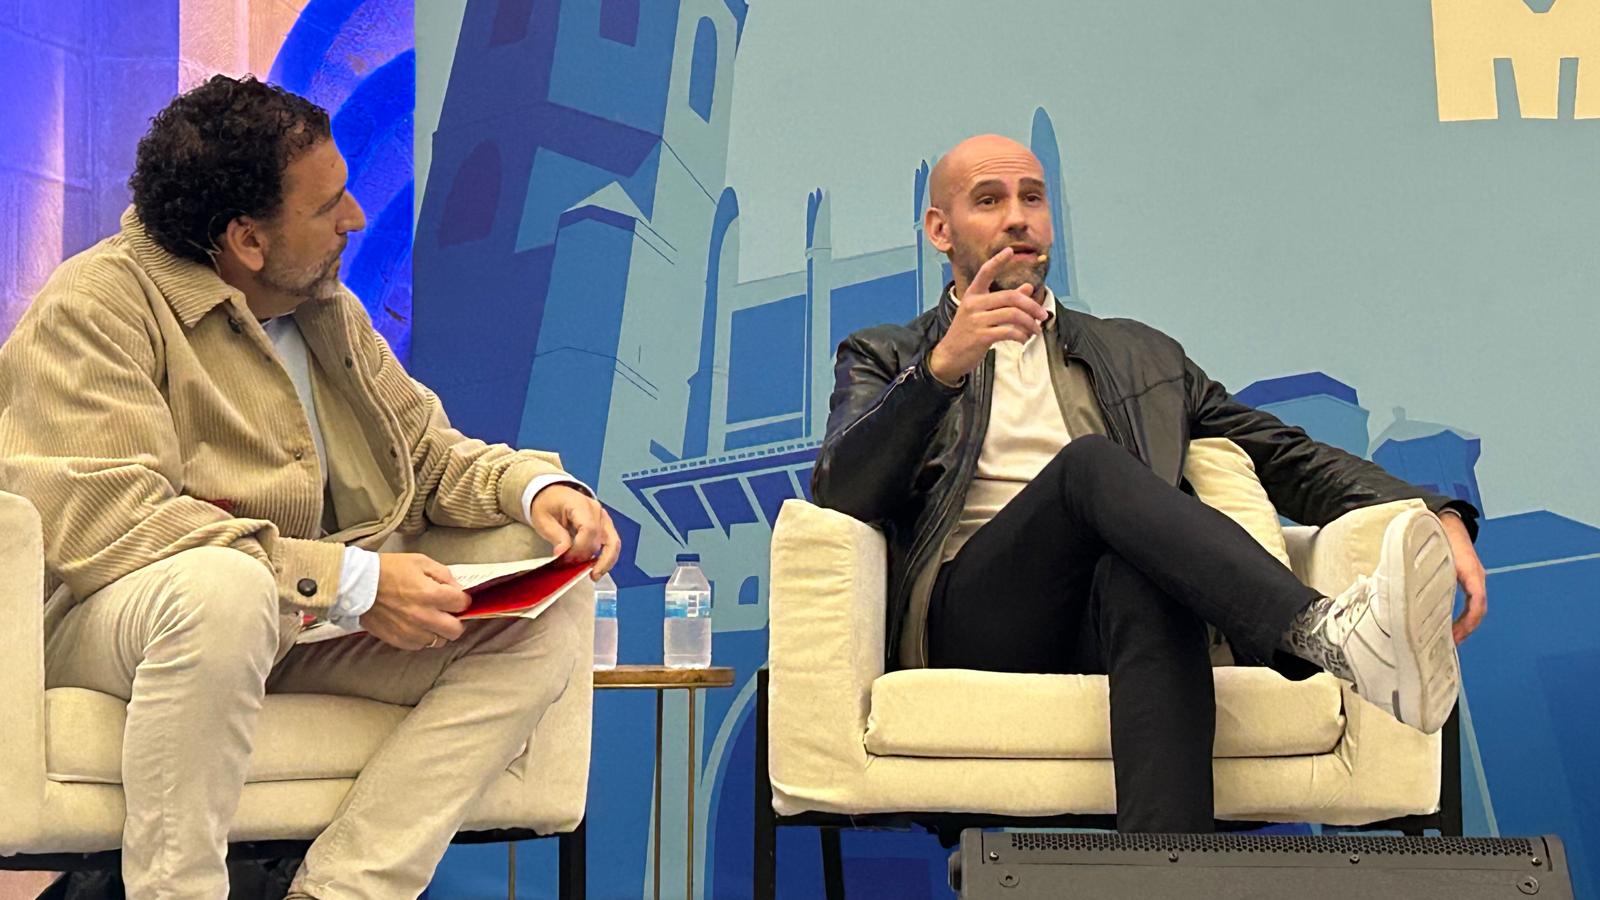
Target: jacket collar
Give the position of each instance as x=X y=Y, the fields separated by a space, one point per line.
x=190 y=288
x=947 y=305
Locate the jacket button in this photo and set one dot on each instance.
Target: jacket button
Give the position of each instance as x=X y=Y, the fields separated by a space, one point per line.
x=393 y=453
x=349 y=363
x=299 y=454
x=306 y=587
x=234 y=324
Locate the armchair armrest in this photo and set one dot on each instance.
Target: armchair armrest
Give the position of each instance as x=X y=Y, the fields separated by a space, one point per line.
x=1329 y=558
x=1380 y=760
x=22 y=773
x=827 y=606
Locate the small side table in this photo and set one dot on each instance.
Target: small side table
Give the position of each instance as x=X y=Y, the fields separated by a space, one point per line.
x=662 y=679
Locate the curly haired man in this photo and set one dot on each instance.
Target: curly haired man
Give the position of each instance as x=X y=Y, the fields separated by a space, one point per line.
x=218 y=442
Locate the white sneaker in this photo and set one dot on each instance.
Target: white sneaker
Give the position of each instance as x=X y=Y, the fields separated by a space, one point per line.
x=1389 y=633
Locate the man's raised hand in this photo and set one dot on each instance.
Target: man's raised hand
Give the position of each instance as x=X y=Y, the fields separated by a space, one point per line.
x=985 y=318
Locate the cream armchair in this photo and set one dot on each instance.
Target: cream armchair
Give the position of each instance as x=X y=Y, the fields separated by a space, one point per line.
x=61 y=749
x=842 y=743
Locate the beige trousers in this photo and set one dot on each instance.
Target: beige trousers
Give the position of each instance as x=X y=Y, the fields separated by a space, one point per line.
x=193 y=644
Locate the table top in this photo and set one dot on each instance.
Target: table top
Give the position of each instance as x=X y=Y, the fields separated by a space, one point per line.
x=662 y=678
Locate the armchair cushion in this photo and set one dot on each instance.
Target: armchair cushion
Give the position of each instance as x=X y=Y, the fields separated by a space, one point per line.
x=963 y=714
x=83 y=736
x=1224 y=478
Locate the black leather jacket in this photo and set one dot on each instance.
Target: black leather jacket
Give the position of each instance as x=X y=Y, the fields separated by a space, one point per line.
x=901 y=448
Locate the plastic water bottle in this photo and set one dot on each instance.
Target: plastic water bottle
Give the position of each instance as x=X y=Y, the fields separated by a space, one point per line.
x=686 y=630
x=605 y=623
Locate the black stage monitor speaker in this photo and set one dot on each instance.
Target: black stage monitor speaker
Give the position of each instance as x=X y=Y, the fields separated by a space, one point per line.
x=1040 y=865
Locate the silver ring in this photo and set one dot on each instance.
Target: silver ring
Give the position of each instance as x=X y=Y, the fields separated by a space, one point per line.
x=434 y=643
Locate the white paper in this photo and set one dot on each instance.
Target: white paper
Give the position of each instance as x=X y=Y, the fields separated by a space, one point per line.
x=471 y=575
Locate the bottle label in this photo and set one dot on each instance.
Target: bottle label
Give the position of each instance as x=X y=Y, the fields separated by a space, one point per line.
x=691 y=606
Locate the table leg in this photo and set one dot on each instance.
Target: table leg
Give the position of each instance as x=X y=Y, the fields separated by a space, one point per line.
x=511 y=871
x=693 y=754
x=660 y=724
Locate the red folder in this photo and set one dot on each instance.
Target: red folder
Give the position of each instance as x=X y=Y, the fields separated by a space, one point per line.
x=519 y=593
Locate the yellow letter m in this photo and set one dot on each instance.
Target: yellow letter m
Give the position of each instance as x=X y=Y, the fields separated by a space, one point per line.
x=1469 y=35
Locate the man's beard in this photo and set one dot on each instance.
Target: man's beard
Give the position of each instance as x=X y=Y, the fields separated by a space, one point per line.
x=317 y=282
x=968 y=259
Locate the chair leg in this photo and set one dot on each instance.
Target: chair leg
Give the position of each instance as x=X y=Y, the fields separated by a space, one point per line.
x=832 y=864
x=765 y=886
x=572 y=850
x=1450 y=814
x=511 y=871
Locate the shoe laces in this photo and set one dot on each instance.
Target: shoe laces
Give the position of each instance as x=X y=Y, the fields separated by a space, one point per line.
x=1348 y=609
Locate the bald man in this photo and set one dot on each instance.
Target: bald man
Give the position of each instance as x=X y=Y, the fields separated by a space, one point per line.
x=1026 y=461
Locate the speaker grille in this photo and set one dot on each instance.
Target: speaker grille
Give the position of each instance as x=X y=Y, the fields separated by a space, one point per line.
x=1344 y=845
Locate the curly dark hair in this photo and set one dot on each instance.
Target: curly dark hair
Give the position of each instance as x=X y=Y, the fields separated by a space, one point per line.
x=216 y=153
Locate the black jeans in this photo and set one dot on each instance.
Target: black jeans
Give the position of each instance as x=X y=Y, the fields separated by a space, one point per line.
x=1100 y=567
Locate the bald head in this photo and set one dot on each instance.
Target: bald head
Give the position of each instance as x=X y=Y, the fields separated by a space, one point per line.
x=985 y=196
x=975 y=156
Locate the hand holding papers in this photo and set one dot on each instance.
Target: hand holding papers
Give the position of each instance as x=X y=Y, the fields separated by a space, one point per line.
x=524 y=588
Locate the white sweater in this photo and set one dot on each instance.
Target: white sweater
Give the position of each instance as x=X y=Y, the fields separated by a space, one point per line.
x=1026 y=431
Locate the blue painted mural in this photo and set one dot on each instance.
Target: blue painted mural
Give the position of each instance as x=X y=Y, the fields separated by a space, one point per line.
x=580 y=285
x=579 y=288
x=356 y=59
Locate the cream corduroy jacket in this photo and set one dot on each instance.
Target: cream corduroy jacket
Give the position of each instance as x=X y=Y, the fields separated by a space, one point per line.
x=144 y=412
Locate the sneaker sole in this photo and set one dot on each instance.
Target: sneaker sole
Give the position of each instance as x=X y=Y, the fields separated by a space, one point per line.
x=1421 y=572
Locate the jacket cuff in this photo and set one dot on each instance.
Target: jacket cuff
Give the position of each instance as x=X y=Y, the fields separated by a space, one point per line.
x=307 y=572
x=1467 y=512
x=921 y=373
x=516 y=479
x=538 y=484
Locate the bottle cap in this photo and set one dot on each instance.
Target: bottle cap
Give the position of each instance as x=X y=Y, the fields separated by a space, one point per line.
x=688 y=558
